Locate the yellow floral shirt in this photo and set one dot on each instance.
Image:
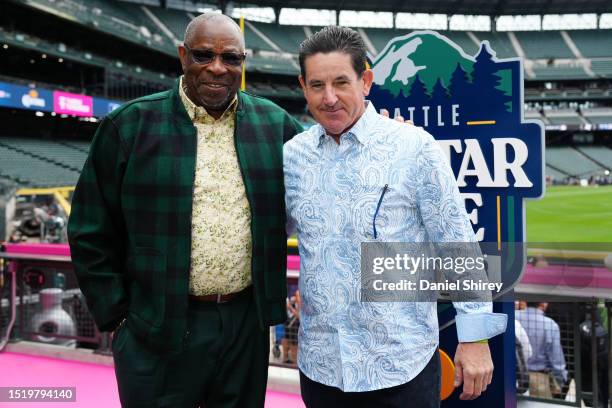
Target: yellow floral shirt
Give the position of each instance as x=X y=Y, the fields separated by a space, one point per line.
x=221 y=217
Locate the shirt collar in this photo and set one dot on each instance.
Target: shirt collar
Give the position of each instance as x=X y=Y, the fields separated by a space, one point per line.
x=198 y=113
x=360 y=129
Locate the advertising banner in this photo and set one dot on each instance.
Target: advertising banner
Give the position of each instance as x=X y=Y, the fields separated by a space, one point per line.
x=23 y=97
x=102 y=107
x=72 y=104
x=45 y=100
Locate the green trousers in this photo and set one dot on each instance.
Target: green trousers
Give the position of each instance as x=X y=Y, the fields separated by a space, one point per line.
x=224 y=364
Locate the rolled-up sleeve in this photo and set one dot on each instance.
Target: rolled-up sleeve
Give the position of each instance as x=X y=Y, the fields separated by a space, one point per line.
x=479 y=325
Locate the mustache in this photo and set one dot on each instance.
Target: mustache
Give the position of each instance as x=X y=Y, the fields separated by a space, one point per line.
x=214 y=83
x=330 y=108
x=223 y=79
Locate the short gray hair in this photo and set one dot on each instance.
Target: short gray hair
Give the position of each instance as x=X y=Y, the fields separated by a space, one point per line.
x=202 y=18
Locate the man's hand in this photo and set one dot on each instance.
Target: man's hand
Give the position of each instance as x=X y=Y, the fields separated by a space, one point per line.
x=399 y=118
x=473 y=368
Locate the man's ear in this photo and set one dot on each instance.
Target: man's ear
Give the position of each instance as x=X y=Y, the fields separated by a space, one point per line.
x=302 y=82
x=182 y=53
x=367 y=77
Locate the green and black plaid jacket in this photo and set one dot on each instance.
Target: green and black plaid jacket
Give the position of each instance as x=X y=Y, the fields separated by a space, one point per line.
x=130 y=226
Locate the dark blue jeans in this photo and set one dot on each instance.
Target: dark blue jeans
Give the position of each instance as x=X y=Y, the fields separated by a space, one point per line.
x=421 y=392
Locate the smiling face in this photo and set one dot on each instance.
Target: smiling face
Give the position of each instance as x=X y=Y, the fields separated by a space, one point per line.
x=334 y=92
x=212 y=85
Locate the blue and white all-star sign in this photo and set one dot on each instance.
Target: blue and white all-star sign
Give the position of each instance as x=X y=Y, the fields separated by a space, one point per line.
x=473 y=106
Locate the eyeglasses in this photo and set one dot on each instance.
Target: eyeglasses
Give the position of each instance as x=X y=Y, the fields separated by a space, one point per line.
x=205 y=57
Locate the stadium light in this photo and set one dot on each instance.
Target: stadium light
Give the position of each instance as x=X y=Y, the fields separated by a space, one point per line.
x=421 y=21
x=569 y=22
x=261 y=14
x=318 y=17
x=39 y=114
x=375 y=19
x=605 y=20
x=460 y=22
x=60 y=60
x=208 y=10
x=519 y=23
x=5 y=46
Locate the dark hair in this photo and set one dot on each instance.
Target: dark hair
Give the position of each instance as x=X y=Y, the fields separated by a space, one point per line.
x=533 y=304
x=335 y=39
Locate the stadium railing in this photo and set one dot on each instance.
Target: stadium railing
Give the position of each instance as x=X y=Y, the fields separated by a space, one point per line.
x=50 y=308
x=110 y=66
x=174 y=20
x=571 y=161
x=598 y=115
x=32 y=170
x=582 y=345
x=108 y=17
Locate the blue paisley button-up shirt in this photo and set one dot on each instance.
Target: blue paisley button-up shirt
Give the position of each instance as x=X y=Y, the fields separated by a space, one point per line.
x=332 y=191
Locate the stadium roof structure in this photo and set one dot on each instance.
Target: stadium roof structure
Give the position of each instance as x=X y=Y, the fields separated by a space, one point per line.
x=450 y=7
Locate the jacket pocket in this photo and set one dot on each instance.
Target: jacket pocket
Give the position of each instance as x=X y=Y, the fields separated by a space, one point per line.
x=146 y=271
x=275 y=255
x=118 y=337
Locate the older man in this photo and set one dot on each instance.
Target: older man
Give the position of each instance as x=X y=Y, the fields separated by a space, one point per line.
x=355 y=177
x=177 y=231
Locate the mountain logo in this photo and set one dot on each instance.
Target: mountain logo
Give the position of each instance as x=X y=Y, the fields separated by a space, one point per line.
x=473 y=106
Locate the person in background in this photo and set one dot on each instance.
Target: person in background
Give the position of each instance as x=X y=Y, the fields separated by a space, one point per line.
x=292 y=327
x=523 y=352
x=547 y=371
x=523 y=338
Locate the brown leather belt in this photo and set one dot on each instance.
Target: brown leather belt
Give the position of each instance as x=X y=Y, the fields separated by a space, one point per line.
x=219 y=298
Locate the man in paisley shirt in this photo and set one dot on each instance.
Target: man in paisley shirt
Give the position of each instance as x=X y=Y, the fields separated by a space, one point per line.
x=354 y=353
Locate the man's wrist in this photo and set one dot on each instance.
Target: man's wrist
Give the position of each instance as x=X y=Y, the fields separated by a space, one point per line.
x=483 y=341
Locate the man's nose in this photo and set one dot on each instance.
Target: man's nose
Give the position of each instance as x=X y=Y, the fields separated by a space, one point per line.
x=329 y=95
x=216 y=66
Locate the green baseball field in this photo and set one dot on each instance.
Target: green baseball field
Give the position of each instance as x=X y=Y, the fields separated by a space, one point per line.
x=571 y=214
